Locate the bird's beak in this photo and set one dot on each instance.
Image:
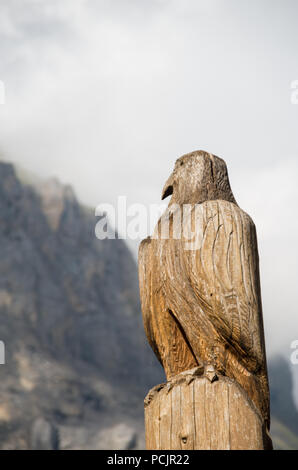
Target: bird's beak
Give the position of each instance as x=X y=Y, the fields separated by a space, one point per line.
x=168 y=188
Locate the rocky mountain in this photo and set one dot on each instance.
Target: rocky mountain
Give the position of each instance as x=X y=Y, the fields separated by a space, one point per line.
x=284 y=426
x=77 y=362
x=76 y=354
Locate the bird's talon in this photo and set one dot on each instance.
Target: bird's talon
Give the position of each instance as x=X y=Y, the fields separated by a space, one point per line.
x=210 y=373
x=190 y=379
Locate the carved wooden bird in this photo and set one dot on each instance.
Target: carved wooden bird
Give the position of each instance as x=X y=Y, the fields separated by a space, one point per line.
x=201 y=303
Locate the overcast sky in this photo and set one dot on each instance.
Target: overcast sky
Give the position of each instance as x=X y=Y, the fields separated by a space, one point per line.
x=107 y=94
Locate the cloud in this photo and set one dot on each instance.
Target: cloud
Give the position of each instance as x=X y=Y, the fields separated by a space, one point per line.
x=106 y=95
x=270 y=196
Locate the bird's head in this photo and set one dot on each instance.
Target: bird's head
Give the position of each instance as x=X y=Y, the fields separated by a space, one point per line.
x=197 y=177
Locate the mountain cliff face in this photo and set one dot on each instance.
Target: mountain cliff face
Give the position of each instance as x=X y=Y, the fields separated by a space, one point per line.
x=284 y=427
x=76 y=354
x=77 y=362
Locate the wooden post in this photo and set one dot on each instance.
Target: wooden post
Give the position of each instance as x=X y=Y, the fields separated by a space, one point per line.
x=202 y=312
x=194 y=413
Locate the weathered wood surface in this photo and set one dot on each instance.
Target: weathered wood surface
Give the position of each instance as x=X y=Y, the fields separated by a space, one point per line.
x=201 y=301
x=193 y=413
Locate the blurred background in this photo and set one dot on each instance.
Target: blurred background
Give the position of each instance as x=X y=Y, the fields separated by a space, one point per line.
x=100 y=99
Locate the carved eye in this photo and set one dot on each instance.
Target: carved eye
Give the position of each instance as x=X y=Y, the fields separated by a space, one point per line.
x=181 y=163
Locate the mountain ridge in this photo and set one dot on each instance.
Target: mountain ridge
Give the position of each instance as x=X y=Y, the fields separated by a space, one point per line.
x=69 y=308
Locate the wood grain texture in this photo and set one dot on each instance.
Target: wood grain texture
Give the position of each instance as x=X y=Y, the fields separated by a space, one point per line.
x=222 y=417
x=201 y=301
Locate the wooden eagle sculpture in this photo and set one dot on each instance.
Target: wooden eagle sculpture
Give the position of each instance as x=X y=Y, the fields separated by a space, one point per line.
x=201 y=301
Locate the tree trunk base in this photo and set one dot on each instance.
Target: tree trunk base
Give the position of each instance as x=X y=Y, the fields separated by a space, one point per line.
x=193 y=412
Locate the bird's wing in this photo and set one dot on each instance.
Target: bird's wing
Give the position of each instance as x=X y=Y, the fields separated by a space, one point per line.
x=223 y=271
x=145 y=264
